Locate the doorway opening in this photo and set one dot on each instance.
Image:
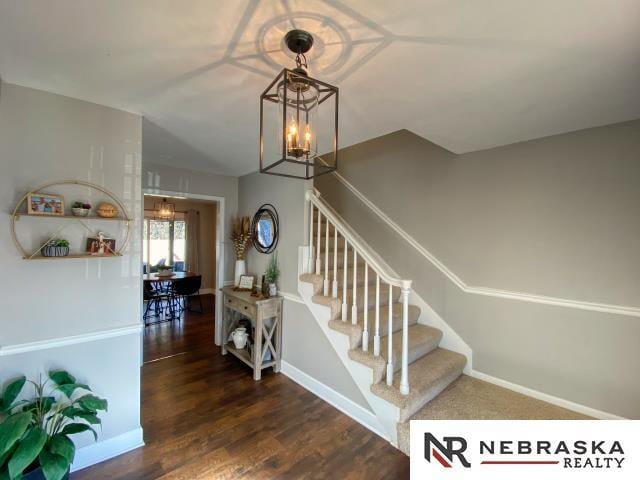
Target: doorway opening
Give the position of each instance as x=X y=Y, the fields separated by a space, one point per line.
x=181 y=270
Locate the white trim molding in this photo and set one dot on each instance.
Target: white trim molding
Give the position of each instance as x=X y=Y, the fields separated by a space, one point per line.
x=545 y=397
x=291 y=297
x=112 y=447
x=490 y=292
x=351 y=409
x=70 y=340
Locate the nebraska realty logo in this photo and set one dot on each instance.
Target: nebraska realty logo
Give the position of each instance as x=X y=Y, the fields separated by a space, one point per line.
x=525 y=449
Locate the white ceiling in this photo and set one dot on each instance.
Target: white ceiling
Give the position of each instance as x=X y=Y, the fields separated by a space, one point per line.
x=466 y=75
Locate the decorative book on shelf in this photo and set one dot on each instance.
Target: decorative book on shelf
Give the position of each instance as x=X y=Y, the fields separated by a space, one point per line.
x=39 y=205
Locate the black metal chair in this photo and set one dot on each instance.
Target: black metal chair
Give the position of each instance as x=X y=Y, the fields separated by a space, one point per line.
x=186 y=288
x=154 y=300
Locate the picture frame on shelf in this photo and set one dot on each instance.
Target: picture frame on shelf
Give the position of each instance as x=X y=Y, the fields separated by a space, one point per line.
x=101 y=245
x=45 y=204
x=246 y=282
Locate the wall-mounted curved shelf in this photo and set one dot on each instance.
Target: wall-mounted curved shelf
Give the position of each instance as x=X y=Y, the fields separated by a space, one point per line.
x=123 y=217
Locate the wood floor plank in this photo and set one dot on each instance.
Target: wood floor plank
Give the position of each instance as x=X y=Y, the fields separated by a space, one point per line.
x=205 y=418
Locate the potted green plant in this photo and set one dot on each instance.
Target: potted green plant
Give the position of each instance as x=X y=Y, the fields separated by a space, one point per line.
x=35 y=430
x=271 y=275
x=57 y=247
x=80 y=209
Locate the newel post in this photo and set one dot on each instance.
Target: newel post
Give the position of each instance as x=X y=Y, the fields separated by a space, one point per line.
x=308 y=194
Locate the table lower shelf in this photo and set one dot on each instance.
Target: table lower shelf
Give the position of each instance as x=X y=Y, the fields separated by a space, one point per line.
x=244 y=355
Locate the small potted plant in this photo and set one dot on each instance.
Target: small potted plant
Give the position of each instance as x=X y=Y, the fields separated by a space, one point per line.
x=34 y=432
x=57 y=247
x=80 y=209
x=271 y=275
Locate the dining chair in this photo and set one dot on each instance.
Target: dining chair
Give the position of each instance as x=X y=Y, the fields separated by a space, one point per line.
x=186 y=288
x=155 y=302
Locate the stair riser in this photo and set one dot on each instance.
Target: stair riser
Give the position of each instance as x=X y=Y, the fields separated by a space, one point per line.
x=413 y=407
x=371 y=300
x=415 y=353
x=384 y=325
x=359 y=279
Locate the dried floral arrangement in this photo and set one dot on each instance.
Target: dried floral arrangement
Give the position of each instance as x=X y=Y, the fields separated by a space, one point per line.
x=241 y=236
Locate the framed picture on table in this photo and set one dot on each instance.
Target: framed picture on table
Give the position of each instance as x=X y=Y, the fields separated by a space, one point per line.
x=246 y=282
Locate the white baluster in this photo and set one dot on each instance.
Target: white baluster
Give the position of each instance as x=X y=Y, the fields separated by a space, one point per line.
x=365 y=331
x=334 y=286
x=390 y=340
x=354 y=306
x=318 y=262
x=404 y=379
x=376 y=336
x=344 y=282
x=326 y=260
x=311 y=257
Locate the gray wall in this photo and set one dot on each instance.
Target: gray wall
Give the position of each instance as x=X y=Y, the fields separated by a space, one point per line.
x=556 y=216
x=43 y=138
x=304 y=344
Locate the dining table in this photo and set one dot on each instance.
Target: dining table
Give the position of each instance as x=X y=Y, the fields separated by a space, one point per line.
x=155 y=278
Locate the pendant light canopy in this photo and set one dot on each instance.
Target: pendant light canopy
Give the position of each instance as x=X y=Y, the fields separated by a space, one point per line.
x=298 y=119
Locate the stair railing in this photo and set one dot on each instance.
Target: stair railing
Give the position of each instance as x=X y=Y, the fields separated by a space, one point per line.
x=331 y=222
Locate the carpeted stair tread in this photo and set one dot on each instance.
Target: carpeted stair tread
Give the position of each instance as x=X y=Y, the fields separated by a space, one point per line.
x=422 y=340
x=428 y=376
x=468 y=398
x=315 y=280
x=354 y=332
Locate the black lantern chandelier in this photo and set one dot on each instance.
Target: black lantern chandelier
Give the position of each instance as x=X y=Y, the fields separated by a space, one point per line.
x=301 y=125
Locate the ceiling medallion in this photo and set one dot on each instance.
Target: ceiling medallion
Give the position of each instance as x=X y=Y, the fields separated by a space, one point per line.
x=301 y=125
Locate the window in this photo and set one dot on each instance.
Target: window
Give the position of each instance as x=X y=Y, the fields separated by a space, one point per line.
x=164 y=243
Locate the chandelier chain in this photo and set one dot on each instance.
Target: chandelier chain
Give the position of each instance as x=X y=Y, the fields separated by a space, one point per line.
x=301 y=60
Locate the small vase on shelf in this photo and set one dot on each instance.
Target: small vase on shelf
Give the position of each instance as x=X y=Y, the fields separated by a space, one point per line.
x=240 y=269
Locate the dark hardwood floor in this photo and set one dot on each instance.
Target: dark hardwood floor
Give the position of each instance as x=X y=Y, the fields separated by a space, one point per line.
x=205 y=418
x=164 y=339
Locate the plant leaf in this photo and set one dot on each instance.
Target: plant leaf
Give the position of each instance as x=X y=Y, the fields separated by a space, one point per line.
x=12 y=429
x=91 y=418
x=74 y=428
x=61 y=377
x=92 y=403
x=4 y=473
x=27 y=451
x=11 y=392
x=69 y=388
x=70 y=411
x=63 y=446
x=54 y=466
x=47 y=403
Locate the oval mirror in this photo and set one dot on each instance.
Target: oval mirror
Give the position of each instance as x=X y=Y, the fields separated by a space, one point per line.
x=264 y=229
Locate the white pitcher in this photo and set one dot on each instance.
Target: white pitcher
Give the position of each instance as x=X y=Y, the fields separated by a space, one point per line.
x=239 y=337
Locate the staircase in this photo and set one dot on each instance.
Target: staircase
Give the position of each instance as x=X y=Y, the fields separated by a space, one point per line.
x=364 y=309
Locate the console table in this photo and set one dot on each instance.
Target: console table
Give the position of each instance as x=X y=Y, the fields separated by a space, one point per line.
x=266 y=322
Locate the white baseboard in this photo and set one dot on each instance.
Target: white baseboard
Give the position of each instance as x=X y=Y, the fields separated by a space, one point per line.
x=560 y=402
x=358 y=413
x=112 y=447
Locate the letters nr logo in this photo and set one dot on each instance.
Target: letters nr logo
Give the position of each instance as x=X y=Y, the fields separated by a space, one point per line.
x=455 y=447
